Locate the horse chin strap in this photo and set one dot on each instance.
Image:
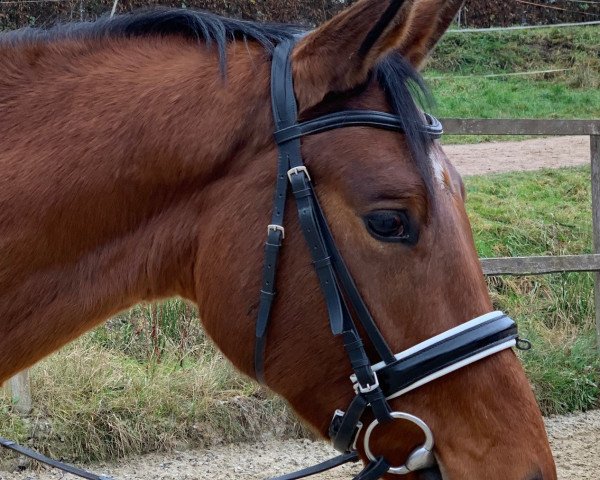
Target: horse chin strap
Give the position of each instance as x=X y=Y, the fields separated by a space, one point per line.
x=374 y=384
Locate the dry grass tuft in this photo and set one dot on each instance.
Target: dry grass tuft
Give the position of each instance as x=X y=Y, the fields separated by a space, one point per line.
x=94 y=402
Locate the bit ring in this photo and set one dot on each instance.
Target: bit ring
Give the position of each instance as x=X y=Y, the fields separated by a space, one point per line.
x=419 y=459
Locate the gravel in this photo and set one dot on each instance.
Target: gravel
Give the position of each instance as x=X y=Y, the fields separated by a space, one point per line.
x=553 y=152
x=575 y=440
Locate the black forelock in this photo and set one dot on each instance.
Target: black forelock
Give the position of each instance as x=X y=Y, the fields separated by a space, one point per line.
x=406 y=93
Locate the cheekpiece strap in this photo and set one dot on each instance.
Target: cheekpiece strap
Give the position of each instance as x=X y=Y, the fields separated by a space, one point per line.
x=394 y=375
x=284 y=115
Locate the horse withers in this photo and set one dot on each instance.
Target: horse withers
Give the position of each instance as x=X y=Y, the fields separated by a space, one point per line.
x=138 y=162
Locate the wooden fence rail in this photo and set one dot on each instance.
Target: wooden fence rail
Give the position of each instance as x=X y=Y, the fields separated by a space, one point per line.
x=525 y=126
x=19 y=385
x=540 y=265
x=555 y=264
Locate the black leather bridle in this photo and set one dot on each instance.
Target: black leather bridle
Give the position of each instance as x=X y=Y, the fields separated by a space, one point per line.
x=374 y=385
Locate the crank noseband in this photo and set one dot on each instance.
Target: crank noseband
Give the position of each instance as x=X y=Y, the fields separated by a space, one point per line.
x=396 y=374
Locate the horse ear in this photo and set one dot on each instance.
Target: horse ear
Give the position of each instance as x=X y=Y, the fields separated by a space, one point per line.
x=339 y=55
x=429 y=21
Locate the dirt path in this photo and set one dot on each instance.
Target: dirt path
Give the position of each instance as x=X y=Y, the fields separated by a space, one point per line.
x=575 y=439
x=534 y=154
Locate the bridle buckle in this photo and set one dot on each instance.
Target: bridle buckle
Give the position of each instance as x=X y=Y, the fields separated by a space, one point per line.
x=276 y=228
x=358 y=388
x=335 y=423
x=298 y=170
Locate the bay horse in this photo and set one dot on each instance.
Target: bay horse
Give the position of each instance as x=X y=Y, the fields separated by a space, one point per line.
x=138 y=163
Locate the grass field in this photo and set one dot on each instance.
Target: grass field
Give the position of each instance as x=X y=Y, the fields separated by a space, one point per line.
x=544 y=213
x=456 y=75
x=150 y=380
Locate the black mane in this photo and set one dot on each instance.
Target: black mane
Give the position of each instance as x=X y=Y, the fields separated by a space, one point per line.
x=198 y=26
x=402 y=84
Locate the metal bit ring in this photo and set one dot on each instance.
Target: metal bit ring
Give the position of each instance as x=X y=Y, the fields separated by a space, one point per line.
x=419 y=459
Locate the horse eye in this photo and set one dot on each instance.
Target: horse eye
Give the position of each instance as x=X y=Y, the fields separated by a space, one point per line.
x=391 y=226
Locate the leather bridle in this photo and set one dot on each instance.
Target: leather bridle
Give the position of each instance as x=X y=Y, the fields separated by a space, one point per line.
x=374 y=384
x=394 y=375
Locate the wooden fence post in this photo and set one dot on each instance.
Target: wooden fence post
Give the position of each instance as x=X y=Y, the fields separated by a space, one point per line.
x=20 y=392
x=595 y=155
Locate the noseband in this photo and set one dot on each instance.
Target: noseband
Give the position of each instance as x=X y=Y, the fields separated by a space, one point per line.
x=374 y=384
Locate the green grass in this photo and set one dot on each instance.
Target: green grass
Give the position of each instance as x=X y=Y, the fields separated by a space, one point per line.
x=544 y=213
x=514 y=98
x=517 y=50
x=571 y=94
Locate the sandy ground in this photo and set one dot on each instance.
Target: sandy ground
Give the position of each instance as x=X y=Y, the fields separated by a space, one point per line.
x=534 y=154
x=575 y=438
x=575 y=441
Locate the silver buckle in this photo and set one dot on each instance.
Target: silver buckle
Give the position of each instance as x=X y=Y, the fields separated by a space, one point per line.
x=369 y=388
x=276 y=228
x=296 y=171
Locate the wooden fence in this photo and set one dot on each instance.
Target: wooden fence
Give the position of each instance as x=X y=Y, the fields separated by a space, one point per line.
x=19 y=385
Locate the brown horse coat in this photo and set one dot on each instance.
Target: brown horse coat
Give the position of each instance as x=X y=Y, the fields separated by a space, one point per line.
x=131 y=170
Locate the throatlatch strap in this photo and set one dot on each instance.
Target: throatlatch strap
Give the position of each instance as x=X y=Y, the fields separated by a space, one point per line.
x=52 y=463
x=272 y=247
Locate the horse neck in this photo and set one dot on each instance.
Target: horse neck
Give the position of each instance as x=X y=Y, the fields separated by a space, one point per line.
x=115 y=155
